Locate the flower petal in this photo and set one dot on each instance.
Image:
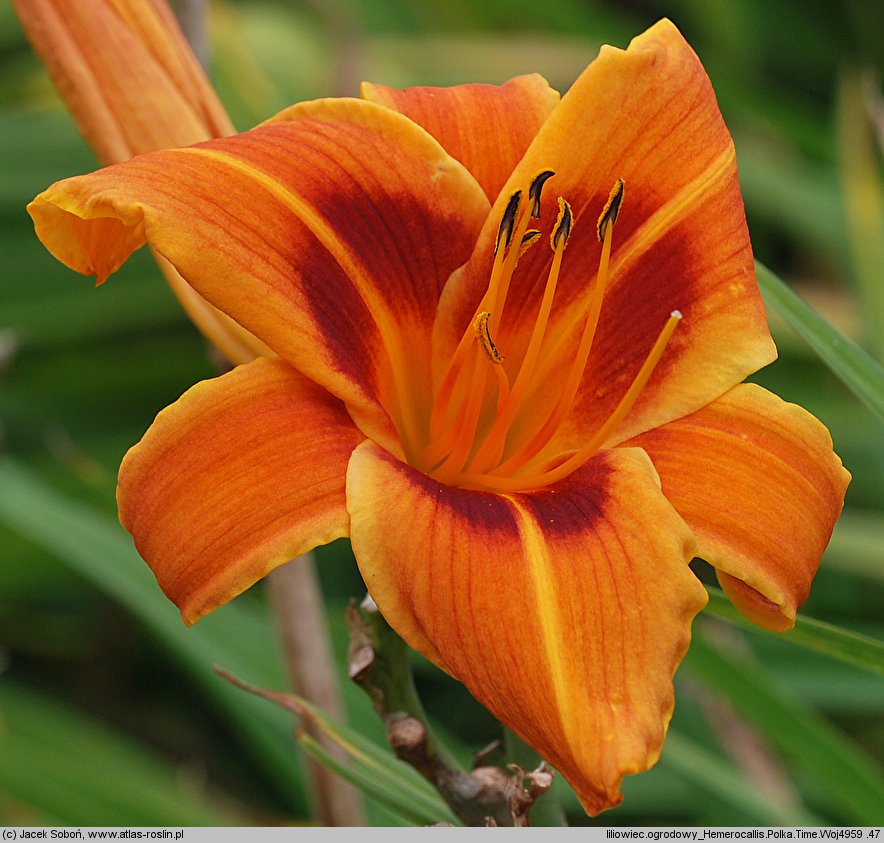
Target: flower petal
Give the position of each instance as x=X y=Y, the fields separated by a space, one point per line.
x=126 y=73
x=243 y=473
x=759 y=484
x=329 y=237
x=647 y=115
x=133 y=85
x=564 y=612
x=485 y=127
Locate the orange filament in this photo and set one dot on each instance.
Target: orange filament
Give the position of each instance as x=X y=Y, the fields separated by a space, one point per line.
x=495 y=304
x=575 y=374
x=483 y=335
x=443 y=405
x=513 y=238
x=472 y=418
x=456 y=437
x=578 y=458
x=462 y=443
x=491 y=449
x=512 y=228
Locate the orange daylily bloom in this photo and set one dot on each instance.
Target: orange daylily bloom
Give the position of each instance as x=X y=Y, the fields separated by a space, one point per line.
x=526 y=412
x=132 y=84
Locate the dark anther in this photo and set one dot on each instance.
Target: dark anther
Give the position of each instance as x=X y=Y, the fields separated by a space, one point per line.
x=612 y=209
x=483 y=334
x=536 y=189
x=530 y=235
x=508 y=223
x=563 y=224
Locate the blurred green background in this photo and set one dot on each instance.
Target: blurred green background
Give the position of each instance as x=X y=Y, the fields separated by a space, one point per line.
x=109 y=711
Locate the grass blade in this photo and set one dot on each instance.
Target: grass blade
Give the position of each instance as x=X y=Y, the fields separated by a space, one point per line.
x=374 y=769
x=75 y=770
x=853 y=784
x=837 y=642
x=707 y=772
x=858 y=371
x=95 y=546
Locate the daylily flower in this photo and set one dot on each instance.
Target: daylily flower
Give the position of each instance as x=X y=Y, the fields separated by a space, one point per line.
x=132 y=85
x=527 y=436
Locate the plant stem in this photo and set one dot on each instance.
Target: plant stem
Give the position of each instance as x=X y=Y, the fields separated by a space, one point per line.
x=296 y=596
x=547 y=811
x=391 y=681
x=379 y=663
x=191 y=16
x=300 y=614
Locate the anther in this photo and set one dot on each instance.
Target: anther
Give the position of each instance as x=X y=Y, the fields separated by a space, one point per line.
x=508 y=222
x=483 y=335
x=536 y=189
x=562 y=229
x=529 y=238
x=611 y=210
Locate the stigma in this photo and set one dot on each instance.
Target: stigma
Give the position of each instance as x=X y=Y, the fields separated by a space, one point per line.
x=487 y=429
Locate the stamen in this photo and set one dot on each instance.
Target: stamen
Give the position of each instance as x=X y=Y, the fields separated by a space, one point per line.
x=536 y=189
x=483 y=334
x=581 y=456
x=503 y=387
x=450 y=444
x=572 y=383
x=528 y=240
x=466 y=433
x=508 y=222
x=443 y=406
x=562 y=228
x=495 y=298
x=505 y=259
x=464 y=401
x=611 y=210
x=490 y=450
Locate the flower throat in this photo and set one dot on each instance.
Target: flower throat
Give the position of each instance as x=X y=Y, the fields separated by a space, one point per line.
x=466 y=449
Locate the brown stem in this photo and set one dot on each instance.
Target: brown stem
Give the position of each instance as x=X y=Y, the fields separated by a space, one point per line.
x=345 y=42
x=378 y=661
x=296 y=596
x=191 y=16
x=300 y=614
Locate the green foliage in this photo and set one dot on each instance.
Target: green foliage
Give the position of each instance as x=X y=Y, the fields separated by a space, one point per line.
x=859 y=372
x=851 y=781
x=834 y=641
x=94 y=662
x=64 y=768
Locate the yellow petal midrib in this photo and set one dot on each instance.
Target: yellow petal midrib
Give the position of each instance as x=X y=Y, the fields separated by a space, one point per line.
x=548 y=614
x=345 y=257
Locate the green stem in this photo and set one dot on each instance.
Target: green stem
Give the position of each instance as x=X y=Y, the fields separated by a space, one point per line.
x=393 y=676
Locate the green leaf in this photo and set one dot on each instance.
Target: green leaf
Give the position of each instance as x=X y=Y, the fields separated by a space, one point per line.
x=856 y=545
x=863 y=199
x=859 y=372
x=373 y=768
x=95 y=546
x=707 y=772
x=74 y=770
x=849 y=778
x=842 y=644
x=383 y=792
